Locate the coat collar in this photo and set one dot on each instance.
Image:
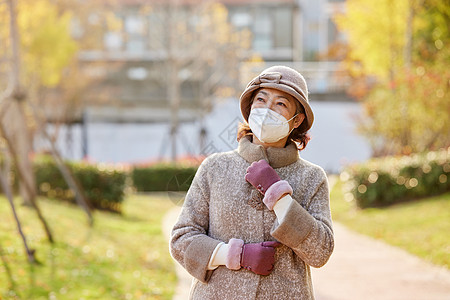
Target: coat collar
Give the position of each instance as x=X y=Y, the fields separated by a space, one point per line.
x=277 y=157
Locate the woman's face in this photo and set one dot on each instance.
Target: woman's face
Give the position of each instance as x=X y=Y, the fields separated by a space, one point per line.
x=278 y=101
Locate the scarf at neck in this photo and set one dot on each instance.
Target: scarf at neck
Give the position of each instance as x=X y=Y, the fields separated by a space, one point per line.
x=277 y=157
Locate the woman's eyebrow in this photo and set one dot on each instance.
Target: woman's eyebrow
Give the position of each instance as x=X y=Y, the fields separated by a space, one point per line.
x=277 y=96
x=282 y=97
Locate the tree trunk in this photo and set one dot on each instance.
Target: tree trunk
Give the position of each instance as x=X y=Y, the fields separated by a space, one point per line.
x=15 y=118
x=173 y=89
x=15 y=124
x=174 y=98
x=409 y=36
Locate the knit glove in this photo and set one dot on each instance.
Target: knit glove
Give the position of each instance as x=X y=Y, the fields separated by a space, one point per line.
x=261 y=175
x=256 y=257
x=266 y=180
x=259 y=257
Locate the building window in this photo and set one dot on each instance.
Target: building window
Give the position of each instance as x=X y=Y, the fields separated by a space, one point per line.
x=262 y=29
x=283 y=28
x=241 y=19
x=157 y=38
x=332 y=32
x=135 y=31
x=113 y=41
x=272 y=30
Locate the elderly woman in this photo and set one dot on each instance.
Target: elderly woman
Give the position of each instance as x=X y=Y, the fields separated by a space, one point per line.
x=255 y=219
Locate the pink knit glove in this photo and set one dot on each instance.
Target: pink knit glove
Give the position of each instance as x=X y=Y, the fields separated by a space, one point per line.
x=261 y=175
x=266 y=180
x=259 y=257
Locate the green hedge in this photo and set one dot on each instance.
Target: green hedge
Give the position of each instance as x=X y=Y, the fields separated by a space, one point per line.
x=384 y=181
x=104 y=188
x=163 y=177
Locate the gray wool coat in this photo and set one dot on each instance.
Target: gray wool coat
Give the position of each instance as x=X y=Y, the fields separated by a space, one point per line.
x=221 y=205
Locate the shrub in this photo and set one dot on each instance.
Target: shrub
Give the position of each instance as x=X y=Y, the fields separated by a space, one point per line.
x=384 y=181
x=163 y=177
x=104 y=188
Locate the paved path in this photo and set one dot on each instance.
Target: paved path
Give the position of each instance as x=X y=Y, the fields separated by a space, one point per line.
x=184 y=278
x=359 y=268
x=363 y=268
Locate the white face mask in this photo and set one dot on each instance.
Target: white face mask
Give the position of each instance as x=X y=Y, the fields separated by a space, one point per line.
x=268 y=126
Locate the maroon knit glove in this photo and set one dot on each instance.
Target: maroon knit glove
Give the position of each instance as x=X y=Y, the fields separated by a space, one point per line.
x=261 y=175
x=259 y=257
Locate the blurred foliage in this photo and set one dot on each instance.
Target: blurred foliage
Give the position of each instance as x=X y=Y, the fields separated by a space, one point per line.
x=379 y=35
x=51 y=34
x=376 y=35
x=163 y=177
x=411 y=116
x=388 y=180
x=432 y=32
x=104 y=188
x=46 y=44
x=399 y=61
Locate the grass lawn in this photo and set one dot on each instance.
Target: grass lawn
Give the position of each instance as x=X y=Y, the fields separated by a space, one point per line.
x=122 y=257
x=421 y=227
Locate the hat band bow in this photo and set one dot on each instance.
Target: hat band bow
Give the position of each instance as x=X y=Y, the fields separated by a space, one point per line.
x=267 y=78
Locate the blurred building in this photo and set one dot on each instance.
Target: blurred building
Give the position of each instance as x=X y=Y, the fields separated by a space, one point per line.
x=288 y=30
x=300 y=34
x=127 y=68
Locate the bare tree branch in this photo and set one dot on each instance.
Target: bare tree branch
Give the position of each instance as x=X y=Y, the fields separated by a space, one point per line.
x=8 y=91
x=13 y=152
x=70 y=179
x=6 y=189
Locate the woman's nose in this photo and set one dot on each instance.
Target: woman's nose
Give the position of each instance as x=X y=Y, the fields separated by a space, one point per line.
x=270 y=104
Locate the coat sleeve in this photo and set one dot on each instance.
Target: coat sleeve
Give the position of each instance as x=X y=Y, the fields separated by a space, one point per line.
x=308 y=231
x=189 y=244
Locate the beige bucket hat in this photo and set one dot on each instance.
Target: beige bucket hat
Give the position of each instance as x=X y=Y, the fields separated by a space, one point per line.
x=284 y=79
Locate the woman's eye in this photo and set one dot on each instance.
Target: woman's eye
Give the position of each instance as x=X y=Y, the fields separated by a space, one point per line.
x=260 y=99
x=282 y=104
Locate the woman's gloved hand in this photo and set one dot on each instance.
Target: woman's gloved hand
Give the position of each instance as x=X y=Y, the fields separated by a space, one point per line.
x=256 y=257
x=261 y=175
x=266 y=180
x=259 y=257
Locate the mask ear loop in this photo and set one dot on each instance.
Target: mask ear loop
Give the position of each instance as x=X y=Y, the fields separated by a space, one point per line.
x=292 y=118
x=292 y=126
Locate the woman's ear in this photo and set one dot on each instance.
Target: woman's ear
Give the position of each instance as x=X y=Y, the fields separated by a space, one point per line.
x=298 y=120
